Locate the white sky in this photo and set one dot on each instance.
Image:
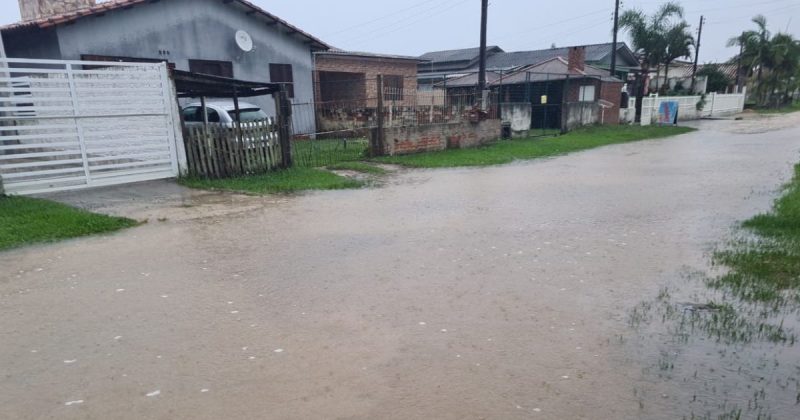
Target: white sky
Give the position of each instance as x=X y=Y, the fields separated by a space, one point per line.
x=413 y=27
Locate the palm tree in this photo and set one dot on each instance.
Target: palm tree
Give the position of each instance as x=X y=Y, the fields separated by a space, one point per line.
x=679 y=40
x=775 y=60
x=648 y=33
x=648 y=38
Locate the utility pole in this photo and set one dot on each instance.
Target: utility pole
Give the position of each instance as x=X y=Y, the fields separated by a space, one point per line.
x=697 y=53
x=482 y=66
x=614 y=48
x=739 y=65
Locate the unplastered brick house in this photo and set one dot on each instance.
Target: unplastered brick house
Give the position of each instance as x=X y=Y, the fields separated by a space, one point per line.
x=346 y=87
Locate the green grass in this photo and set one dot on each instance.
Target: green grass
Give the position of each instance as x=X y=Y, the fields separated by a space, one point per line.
x=510 y=150
x=285 y=181
x=358 y=167
x=795 y=107
x=767 y=268
x=320 y=152
x=26 y=221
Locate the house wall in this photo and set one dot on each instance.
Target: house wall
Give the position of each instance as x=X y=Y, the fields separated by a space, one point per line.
x=180 y=30
x=611 y=92
x=33 y=44
x=371 y=67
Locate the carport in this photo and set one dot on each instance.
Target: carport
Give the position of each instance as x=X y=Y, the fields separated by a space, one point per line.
x=214 y=151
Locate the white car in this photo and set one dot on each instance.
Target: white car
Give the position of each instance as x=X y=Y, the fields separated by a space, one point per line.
x=222 y=112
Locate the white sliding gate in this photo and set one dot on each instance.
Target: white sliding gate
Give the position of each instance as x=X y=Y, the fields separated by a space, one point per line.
x=76 y=124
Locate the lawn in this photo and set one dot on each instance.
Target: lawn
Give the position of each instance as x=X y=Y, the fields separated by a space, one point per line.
x=26 y=221
x=510 y=150
x=767 y=268
x=285 y=181
x=795 y=107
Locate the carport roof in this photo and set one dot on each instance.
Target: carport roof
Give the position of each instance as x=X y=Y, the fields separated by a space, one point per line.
x=195 y=85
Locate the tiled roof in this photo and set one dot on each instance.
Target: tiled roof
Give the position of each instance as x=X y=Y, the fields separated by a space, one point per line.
x=466 y=54
x=553 y=69
x=342 y=53
x=108 y=6
x=499 y=59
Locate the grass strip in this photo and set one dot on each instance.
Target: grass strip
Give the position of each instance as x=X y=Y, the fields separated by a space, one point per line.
x=284 y=181
x=509 y=150
x=26 y=221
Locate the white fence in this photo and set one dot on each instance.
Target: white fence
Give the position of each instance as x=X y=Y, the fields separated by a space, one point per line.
x=76 y=124
x=716 y=105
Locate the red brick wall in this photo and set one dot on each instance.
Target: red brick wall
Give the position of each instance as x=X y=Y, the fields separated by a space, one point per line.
x=611 y=92
x=428 y=138
x=371 y=67
x=608 y=91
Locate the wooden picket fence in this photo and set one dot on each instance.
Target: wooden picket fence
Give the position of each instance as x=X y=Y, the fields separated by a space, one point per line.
x=218 y=151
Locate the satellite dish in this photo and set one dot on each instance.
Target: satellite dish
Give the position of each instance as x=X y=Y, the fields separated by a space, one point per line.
x=244 y=41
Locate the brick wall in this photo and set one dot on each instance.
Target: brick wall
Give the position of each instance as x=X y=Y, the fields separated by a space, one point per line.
x=35 y=9
x=430 y=138
x=370 y=67
x=608 y=91
x=611 y=92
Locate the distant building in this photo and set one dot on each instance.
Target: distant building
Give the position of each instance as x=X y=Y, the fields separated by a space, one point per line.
x=442 y=65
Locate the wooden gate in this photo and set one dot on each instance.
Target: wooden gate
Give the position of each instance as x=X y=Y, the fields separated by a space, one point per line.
x=218 y=151
x=76 y=124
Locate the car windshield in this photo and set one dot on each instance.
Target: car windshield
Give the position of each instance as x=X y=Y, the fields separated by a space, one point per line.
x=249 y=114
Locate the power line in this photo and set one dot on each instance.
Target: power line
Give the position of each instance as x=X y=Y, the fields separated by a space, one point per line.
x=410 y=19
x=539 y=28
x=378 y=19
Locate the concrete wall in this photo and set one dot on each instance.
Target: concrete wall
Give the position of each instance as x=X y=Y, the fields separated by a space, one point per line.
x=430 y=138
x=519 y=115
x=580 y=114
x=180 y=30
x=716 y=105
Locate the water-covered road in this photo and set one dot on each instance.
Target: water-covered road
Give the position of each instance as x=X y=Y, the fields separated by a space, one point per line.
x=499 y=292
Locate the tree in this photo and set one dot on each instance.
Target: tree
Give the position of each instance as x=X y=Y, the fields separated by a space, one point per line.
x=648 y=38
x=648 y=33
x=717 y=80
x=679 y=42
x=774 y=60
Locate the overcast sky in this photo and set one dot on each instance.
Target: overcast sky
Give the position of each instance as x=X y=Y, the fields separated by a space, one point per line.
x=412 y=27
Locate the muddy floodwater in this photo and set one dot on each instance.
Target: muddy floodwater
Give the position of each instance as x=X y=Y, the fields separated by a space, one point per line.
x=526 y=291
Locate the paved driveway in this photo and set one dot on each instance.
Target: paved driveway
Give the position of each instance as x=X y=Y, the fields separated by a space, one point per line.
x=494 y=292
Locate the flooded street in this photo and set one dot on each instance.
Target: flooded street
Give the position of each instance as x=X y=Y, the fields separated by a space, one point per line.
x=502 y=292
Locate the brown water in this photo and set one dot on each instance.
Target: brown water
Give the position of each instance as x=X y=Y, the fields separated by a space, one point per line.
x=501 y=292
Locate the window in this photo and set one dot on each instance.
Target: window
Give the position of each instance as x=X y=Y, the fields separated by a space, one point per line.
x=586 y=94
x=195 y=114
x=249 y=114
x=393 y=88
x=282 y=73
x=212 y=68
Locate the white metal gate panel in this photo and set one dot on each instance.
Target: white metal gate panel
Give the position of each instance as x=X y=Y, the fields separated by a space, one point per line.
x=77 y=124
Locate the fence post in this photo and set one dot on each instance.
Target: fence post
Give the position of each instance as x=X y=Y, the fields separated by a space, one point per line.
x=284 y=110
x=713 y=102
x=565 y=107
x=377 y=139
